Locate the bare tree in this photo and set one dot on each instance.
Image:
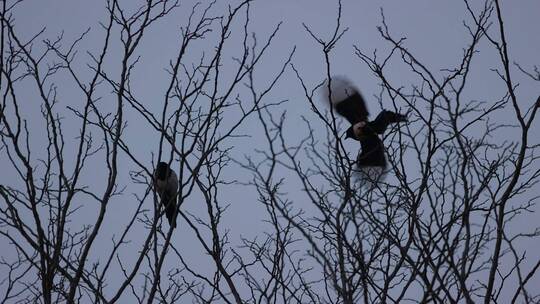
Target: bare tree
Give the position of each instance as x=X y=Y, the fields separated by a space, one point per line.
x=438 y=228
x=58 y=258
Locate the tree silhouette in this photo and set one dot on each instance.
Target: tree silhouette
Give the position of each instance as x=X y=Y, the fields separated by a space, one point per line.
x=81 y=135
x=437 y=230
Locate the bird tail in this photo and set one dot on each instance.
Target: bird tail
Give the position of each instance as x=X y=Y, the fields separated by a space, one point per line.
x=369 y=176
x=170 y=209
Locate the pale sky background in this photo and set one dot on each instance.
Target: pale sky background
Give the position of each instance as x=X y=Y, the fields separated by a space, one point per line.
x=434 y=31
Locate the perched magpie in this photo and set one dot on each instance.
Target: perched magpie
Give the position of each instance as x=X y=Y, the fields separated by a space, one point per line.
x=166 y=185
x=348 y=102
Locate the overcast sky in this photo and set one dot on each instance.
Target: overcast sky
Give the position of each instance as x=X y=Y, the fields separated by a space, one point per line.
x=434 y=31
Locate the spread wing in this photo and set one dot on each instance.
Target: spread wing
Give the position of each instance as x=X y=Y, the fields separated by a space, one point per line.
x=353 y=108
x=384 y=119
x=347 y=101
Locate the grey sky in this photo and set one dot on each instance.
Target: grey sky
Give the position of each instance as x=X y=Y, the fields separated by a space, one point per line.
x=434 y=31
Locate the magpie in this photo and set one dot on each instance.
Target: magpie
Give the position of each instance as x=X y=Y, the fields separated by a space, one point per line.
x=349 y=103
x=166 y=185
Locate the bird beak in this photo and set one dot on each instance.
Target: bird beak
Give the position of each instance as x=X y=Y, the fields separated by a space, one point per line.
x=349 y=133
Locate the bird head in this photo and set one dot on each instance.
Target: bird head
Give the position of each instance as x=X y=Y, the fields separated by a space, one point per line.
x=358 y=129
x=349 y=133
x=162 y=169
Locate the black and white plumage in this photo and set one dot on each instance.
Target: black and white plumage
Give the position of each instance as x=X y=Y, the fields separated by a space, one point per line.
x=166 y=185
x=348 y=102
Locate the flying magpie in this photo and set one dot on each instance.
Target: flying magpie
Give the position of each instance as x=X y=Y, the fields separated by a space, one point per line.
x=348 y=102
x=166 y=185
